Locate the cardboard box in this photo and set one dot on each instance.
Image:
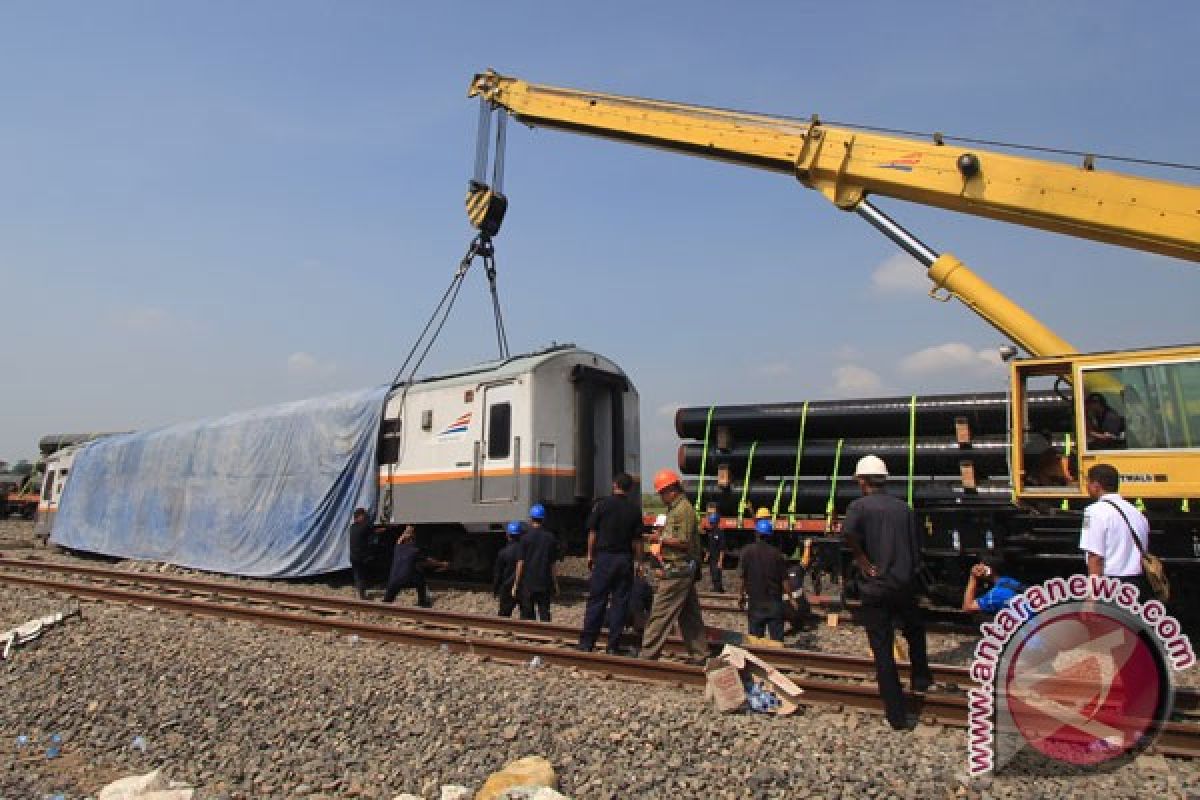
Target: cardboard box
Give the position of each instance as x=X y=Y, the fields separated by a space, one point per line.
x=723 y=685
x=749 y=665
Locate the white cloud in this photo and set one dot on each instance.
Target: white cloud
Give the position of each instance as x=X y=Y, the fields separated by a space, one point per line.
x=853 y=379
x=951 y=357
x=900 y=274
x=141 y=319
x=303 y=365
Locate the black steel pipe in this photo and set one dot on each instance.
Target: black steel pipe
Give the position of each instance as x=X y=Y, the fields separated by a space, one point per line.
x=986 y=413
x=812 y=494
x=933 y=456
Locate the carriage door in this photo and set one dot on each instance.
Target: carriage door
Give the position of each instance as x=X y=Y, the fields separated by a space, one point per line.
x=599 y=430
x=498 y=454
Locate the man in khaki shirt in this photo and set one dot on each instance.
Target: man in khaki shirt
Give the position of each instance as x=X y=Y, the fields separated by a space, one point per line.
x=675 y=597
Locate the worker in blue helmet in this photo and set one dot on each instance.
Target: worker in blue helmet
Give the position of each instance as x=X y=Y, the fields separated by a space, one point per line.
x=764 y=583
x=536 y=581
x=504 y=576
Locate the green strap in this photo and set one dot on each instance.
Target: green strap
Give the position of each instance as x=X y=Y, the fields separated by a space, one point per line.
x=837 y=461
x=703 y=463
x=799 y=452
x=1185 y=507
x=778 y=496
x=912 y=445
x=1066 y=506
x=746 y=482
x=1139 y=505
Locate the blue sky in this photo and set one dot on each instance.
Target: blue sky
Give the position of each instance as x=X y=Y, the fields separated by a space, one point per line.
x=212 y=206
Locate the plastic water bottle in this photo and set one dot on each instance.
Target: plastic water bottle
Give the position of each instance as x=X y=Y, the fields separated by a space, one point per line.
x=989 y=539
x=139 y=744
x=22 y=741
x=536 y=662
x=54 y=748
x=956 y=539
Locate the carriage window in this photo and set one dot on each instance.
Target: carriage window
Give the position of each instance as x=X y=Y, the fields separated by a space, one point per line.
x=499 y=430
x=1150 y=407
x=47 y=486
x=389 y=441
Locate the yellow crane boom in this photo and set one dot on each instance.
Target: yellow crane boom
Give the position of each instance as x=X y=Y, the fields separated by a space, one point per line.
x=846 y=165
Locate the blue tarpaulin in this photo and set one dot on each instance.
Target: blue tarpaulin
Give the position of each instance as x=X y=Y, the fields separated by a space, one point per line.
x=264 y=493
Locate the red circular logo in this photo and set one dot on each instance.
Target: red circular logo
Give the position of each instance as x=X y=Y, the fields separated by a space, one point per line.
x=1085 y=686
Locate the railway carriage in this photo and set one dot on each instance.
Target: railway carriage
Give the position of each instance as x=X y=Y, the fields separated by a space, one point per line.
x=456 y=455
x=463 y=452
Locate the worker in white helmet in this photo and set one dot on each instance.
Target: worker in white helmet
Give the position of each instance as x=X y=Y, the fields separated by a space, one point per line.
x=882 y=532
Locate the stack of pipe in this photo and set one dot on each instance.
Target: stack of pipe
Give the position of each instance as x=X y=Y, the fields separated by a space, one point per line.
x=957 y=445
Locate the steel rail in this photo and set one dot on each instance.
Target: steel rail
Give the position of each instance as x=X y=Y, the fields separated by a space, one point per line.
x=944 y=708
x=787 y=659
x=782 y=658
x=947 y=709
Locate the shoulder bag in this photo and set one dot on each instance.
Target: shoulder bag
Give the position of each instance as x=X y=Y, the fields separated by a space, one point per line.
x=1152 y=567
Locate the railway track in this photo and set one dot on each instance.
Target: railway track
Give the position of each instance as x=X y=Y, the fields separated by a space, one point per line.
x=508 y=640
x=937 y=619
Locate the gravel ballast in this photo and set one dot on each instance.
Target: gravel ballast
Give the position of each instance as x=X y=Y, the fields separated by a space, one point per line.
x=246 y=712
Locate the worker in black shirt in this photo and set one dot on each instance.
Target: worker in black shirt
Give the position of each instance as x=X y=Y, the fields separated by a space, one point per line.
x=536 y=581
x=360 y=550
x=715 y=551
x=883 y=535
x=614 y=555
x=764 y=583
x=504 y=578
x=408 y=569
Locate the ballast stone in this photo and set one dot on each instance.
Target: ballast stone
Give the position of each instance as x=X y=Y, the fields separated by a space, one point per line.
x=151 y=786
x=532 y=793
x=530 y=772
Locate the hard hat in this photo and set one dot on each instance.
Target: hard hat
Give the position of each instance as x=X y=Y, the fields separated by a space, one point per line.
x=870 y=466
x=664 y=478
x=660 y=520
x=538 y=511
x=764 y=527
x=515 y=528
x=762 y=513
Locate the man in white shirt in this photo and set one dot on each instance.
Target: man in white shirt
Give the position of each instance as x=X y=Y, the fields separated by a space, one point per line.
x=1108 y=528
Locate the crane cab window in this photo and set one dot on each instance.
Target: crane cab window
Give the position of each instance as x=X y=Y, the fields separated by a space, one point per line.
x=499 y=438
x=1143 y=407
x=1049 y=441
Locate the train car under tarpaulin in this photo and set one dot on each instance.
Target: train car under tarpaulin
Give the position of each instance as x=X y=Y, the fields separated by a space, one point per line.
x=262 y=493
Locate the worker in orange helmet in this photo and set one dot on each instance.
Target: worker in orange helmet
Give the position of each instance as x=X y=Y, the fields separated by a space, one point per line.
x=676 y=598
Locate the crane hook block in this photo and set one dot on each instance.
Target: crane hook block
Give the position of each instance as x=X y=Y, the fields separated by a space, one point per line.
x=485 y=208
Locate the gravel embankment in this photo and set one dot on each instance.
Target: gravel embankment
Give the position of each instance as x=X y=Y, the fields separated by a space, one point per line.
x=246 y=712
